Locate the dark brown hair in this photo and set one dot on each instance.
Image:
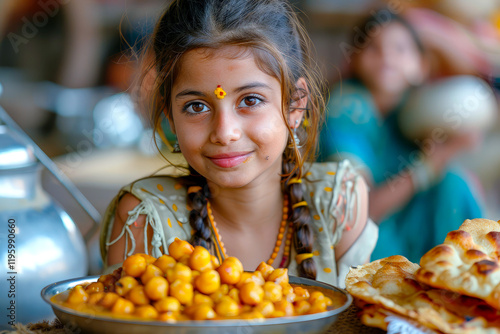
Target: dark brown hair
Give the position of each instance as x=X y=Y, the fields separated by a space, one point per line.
x=271 y=31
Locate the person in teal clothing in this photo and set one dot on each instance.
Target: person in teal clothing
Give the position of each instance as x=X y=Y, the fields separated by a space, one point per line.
x=417 y=195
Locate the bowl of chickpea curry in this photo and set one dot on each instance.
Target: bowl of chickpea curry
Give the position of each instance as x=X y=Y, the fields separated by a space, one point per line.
x=189 y=291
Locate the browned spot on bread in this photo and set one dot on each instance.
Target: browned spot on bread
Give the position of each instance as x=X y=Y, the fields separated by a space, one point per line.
x=475 y=255
x=460 y=239
x=494 y=238
x=485 y=267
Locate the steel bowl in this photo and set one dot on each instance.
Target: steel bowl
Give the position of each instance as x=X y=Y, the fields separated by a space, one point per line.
x=87 y=323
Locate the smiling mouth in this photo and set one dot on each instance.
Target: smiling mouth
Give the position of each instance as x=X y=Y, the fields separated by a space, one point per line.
x=230 y=160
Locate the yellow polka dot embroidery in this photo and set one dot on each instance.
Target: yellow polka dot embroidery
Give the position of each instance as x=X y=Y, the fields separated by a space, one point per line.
x=160 y=187
x=162 y=201
x=316 y=253
x=327 y=270
x=328 y=189
x=321 y=229
x=169 y=222
x=174 y=207
x=308 y=173
x=331 y=247
x=330 y=173
x=177 y=186
x=311 y=194
x=178 y=222
x=316 y=217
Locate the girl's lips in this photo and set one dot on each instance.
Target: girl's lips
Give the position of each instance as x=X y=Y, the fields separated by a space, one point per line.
x=229 y=160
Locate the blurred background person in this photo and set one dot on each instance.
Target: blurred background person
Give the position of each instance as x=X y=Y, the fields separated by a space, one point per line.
x=416 y=196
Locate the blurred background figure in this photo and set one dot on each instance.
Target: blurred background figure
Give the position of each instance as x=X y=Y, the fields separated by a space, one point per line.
x=417 y=193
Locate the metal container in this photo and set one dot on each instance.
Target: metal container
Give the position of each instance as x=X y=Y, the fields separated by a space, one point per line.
x=39 y=242
x=88 y=323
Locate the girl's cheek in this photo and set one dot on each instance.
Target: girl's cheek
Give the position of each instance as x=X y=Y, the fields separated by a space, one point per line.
x=270 y=131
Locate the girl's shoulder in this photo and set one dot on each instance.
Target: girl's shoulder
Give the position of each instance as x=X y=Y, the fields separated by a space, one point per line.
x=331 y=190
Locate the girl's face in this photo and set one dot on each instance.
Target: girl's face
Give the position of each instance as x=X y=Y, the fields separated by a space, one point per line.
x=235 y=140
x=391 y=61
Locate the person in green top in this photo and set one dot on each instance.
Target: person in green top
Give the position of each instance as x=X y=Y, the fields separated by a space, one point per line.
x=417 y=194
x=235 y=80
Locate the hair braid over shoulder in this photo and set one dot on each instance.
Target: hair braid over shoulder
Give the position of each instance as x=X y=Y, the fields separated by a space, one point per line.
x=301 y=219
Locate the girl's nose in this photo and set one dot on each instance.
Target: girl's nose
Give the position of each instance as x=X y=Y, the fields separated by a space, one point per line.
x=226 y=127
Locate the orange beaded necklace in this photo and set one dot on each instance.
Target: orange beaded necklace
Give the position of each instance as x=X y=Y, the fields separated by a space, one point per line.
x=221 y=250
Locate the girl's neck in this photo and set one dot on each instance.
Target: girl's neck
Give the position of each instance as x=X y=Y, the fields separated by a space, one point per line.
x=247 y=208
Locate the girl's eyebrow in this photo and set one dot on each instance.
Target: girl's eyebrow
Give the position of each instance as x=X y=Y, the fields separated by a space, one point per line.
x=189 y=92
x=252 y=85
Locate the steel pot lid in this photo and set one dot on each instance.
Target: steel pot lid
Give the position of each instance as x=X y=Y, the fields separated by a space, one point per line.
x=14 y=152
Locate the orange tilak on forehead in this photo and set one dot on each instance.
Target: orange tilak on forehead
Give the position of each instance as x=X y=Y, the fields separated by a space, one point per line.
x=219 y=92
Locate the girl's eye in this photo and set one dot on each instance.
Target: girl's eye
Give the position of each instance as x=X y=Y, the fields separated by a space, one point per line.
x=196 y=108
x=250 y=101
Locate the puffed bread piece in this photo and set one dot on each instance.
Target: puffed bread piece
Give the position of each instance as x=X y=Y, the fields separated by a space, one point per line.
x=467 y=262
x=390 y=284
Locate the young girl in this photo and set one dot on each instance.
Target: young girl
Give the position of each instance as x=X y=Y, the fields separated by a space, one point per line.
x=416 y=202
x=234 y=81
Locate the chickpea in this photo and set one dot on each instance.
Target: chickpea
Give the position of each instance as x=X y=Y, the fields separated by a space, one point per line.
x=234 y=293
x=279 y=276
x=184 y=259
x=179 y=247
x=265 y=269
x=215 y=261
x=156 y=288
x=285 y=307
x=95 y=297
x=203 y=312
x=146 y=312
x=251 y=277
x=236 y=262
x=272 y=292
x=149 y=259
x=251 y=293
x=165 y=262
x=302 y=307
x=77 y=295
x=134 y=265
x=125 y=284
x=318 y=306
x=168 y=304
x=183 y=291
x=108 y=282
x=94 y=287
x=200 y=298
x=252 y=315
x=200 y=259
x=151 y=271
x=266 y=308
x=301 y=293
x=222 y=291
x=122 y=306
x=227 y=307
x=138 y=296
x=229 y=272
x=277 y=314
x=316 y=295
x=109 y=299
x=180 y=272
x=170 y=317
x=208 y=282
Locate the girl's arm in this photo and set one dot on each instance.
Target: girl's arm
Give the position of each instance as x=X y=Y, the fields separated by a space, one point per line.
x=116 y=251
x=360 y=216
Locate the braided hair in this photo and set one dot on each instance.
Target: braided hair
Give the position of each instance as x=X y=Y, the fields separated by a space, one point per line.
x=271 y=31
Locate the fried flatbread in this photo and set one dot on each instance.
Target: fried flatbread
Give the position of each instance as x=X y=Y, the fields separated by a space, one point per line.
x=390 y=284
x=467 y=262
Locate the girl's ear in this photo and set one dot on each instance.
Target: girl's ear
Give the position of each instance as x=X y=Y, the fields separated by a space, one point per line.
x=299 y=102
